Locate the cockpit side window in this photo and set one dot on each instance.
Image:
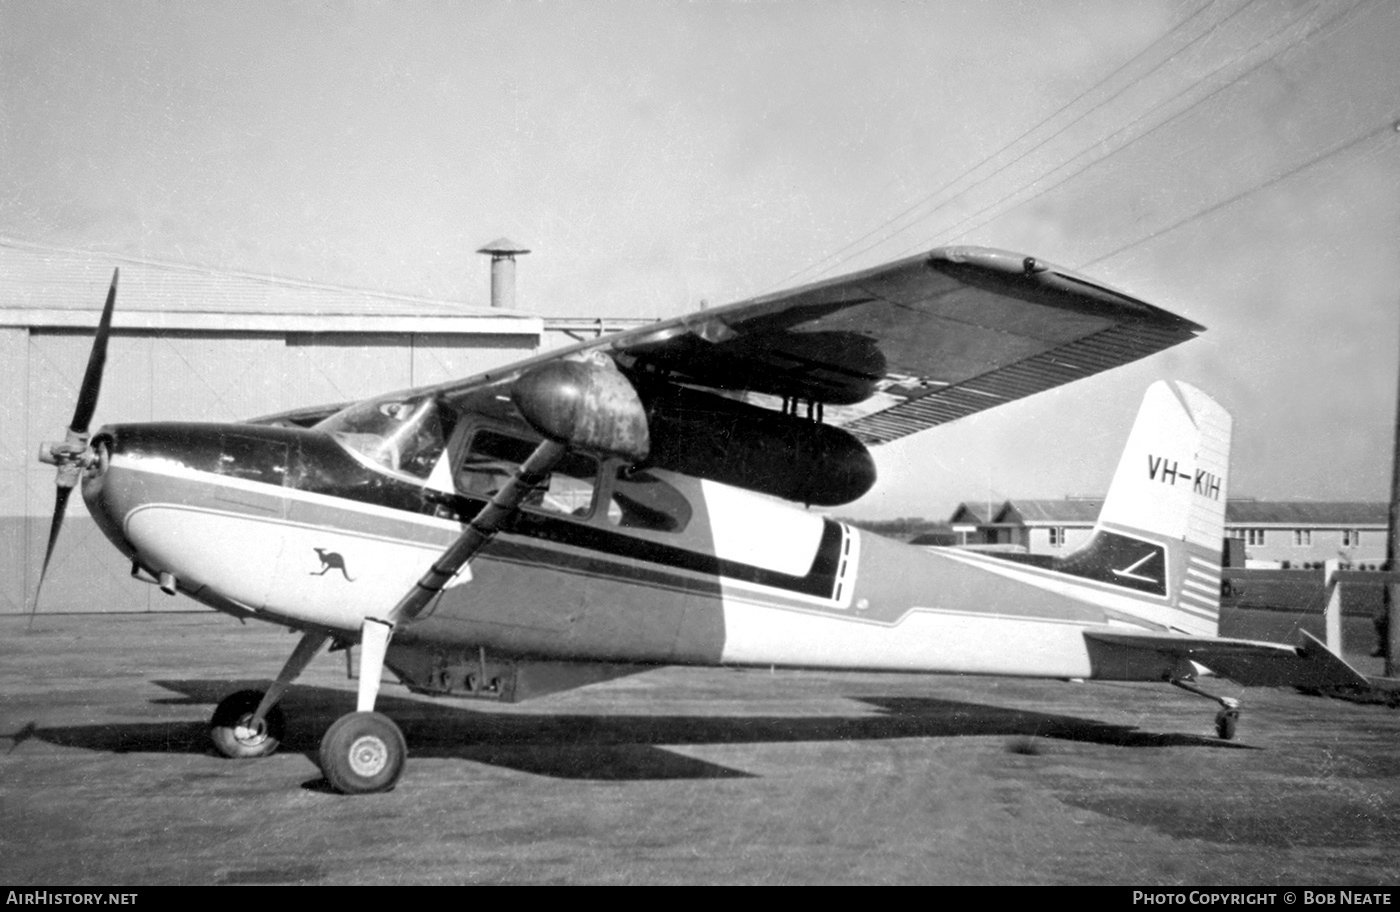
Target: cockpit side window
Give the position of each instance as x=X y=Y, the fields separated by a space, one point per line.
x=401 y=435
x=493 y=457
x=640 y=499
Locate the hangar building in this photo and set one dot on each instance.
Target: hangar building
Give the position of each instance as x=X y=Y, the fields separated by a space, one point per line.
x=196 y=344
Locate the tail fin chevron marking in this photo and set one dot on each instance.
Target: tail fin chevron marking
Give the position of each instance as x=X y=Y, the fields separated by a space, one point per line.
x=1153 y=558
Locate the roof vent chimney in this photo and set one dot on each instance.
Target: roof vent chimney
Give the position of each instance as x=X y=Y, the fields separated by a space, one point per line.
x=503 y=252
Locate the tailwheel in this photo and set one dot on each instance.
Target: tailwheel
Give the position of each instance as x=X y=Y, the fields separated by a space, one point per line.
x=363 y=752
x=1225 y=722
x=1229 y=716
x=234 y=732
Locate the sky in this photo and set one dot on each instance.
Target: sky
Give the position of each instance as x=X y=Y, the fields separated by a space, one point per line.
x=1234 y=161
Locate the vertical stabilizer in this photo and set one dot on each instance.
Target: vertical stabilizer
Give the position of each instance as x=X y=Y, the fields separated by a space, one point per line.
x=1169 y=490
x=1171 y=478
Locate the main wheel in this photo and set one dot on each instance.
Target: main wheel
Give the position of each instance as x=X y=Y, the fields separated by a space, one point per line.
x=233 y=734
x=1225 y=722
x=363 y=752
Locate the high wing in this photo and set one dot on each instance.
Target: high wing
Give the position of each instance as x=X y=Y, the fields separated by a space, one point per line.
x=886 y=352
x=898 y=348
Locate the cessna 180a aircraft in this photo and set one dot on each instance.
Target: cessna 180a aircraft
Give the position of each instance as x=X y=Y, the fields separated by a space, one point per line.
x=644 y=499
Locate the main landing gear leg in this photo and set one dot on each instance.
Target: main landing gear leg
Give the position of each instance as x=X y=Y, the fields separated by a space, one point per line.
x=364 y=751
x=250 y=724
x=1226 y=719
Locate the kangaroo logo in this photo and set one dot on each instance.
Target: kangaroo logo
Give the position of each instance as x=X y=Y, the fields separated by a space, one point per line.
x=330 y=560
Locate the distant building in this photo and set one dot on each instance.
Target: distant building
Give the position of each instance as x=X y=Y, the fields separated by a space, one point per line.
x=1294 y=532
x=1037 y=526
x=969 y=524
x=1273 y=533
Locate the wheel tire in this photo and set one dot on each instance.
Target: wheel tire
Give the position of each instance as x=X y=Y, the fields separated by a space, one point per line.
x=229 y=731
x=363 y=752
x=1225 y=722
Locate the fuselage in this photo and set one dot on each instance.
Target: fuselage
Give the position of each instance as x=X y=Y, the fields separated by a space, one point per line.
x=292 y=526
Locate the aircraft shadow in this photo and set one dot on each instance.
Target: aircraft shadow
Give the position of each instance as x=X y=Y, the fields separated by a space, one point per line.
x=598 y=746
x=978 y=719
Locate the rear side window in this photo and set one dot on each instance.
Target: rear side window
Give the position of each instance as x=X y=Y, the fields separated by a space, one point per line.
x=642 y=500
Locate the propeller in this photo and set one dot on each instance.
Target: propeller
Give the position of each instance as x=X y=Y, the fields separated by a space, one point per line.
x=73 y=455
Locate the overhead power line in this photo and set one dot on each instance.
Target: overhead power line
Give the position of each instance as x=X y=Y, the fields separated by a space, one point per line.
x=1386 y=129
x=945 y=237
x=837 y=256
x=981 y=181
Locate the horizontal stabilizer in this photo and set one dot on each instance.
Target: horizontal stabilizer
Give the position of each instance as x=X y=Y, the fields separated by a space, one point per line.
x=1155 y=656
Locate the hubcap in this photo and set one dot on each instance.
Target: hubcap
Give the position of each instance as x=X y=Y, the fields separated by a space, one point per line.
x=248 y=733
x=368 y=756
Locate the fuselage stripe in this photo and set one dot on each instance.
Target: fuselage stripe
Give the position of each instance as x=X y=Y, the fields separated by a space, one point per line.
x=819 y=581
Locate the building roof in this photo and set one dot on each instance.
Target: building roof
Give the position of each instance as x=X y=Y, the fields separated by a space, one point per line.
x=57 y=287
x=1305 y=513
x=1072 y=511
x=969 y=513
x=1084 y=511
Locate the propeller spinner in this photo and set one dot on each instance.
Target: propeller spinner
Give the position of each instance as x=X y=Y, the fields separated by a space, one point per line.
x=73 y=455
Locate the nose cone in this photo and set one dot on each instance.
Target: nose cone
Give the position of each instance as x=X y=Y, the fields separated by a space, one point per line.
x=107 y=502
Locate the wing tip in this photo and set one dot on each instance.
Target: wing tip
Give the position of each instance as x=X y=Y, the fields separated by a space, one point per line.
x=1005 y=265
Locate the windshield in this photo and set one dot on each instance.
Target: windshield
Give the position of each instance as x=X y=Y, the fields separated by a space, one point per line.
x=403 y=435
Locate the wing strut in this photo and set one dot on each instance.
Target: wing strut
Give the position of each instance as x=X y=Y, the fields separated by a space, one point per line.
x=589 y=405
x=531 y=474
x=363 y=751
x=375 y=632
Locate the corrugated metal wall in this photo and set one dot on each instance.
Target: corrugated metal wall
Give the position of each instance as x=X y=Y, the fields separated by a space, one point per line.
x=14 y=458
x=184 y=375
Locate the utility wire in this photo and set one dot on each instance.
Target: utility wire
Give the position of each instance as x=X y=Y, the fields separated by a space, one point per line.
x=944 y=237
x=1043 y=142
x=1389 y=127
x=837 y=255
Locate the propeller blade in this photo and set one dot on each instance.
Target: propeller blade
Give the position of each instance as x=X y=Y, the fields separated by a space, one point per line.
x=97 y=360
x=60 y=507
x=72 y=455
